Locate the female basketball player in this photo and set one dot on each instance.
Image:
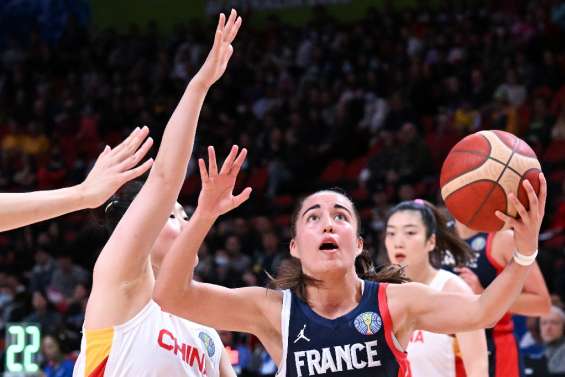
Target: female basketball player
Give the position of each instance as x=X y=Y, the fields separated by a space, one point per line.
x=330 y=321
x=125 y=332
x=492 y=251
x=418 y=238
x=112 y=169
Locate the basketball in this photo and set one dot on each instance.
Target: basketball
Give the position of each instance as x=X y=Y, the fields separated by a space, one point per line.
x=479 y=173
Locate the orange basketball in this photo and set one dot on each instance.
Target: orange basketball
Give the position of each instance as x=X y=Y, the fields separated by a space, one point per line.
x=479 y=173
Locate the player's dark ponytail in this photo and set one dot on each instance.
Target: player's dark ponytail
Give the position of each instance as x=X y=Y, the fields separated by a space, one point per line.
x=447 y=241
x=115 y=208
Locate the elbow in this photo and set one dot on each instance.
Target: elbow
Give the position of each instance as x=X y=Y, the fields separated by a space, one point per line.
x=545 y=306
x=485 y=319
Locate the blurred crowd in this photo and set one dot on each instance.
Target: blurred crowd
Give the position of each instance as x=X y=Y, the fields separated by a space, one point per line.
x=372 y=106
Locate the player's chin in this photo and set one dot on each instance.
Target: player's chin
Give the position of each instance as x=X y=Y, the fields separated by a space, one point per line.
x=332 y=266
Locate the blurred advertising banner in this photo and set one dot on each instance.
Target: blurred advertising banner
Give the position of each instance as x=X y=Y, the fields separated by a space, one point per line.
x=214 y=6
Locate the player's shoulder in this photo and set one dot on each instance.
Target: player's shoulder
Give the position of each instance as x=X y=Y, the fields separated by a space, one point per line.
x=404 y=290
x=502 y=245
x=454 y=283
x=503 y=235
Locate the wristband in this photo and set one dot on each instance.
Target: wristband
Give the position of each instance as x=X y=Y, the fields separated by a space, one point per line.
x=524 y=260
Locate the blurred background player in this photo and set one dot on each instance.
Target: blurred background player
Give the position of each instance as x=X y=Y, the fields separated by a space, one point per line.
x=417 y=237
x=492 y=252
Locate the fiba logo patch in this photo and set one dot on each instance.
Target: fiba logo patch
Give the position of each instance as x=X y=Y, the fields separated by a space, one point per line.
x=208 y=343
x=478 y=243
x=368 y=323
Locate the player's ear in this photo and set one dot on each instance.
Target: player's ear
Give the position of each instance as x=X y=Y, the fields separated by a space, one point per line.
x=293 y=249
x=431 y=243
x=359 y=245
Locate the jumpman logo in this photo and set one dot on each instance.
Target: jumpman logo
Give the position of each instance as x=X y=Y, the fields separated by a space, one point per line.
x=301 y=335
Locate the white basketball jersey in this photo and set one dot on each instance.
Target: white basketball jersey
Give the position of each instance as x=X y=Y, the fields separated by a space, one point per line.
x=153 y=343
x=432 y=354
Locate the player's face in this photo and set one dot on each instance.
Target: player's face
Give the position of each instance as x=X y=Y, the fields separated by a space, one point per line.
x=405 y=239
x=169 y=234
x=551 y=327
x=326 y=235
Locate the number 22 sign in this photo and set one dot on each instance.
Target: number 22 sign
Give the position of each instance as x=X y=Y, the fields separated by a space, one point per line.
x=22 y=346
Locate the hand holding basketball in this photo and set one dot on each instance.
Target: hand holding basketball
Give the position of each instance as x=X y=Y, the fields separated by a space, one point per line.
x=479 y=174
x=527 y=226
x=222 y=50
x=216 y=197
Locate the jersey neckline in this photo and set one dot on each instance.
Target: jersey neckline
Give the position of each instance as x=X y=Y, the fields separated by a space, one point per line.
x=345 y=318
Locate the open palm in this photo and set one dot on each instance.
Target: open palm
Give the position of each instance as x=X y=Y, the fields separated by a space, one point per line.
x=216 y=196
x=222 y=50
x=116 y=166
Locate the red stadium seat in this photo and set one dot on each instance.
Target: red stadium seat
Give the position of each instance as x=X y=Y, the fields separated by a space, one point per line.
x=360 y=195
x=354 y=168
x=258 y=179
x=555 y=152
x=283 y=201
x=282 y=220
x=191 y=186
x=333 y=173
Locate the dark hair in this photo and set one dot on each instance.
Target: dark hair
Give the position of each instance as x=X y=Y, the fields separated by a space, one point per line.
x=290 y=275
x=448 y=243
x=117 y=205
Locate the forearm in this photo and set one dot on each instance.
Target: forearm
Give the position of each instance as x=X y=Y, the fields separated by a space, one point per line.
x=178 y=139
x=498 y=297
x=531 y=304
x=476 y=368
x=20 y=209
x=473 y=347
x=173 y=283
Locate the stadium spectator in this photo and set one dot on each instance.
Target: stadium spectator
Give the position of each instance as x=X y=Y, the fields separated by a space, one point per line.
x=552 y=332
x=56 y=363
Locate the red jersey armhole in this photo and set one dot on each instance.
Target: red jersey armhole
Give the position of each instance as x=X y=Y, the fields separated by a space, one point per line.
x=404 y=367
x=490 y=257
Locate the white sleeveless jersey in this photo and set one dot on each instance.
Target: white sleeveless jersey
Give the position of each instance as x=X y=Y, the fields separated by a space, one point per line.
x=432 y=354
x=152 y=344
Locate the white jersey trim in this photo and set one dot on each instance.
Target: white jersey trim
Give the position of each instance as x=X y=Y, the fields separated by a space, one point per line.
x=285 y=320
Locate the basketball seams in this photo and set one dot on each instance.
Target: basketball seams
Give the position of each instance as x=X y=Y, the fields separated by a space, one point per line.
x=486 y=197
x=509 y=162
x=485 y=157
x=480 y=154
x=471 y=176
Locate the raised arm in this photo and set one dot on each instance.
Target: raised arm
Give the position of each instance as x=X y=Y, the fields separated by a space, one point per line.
x=112 y=169
x=208 y=304
x=453 y=313
x=123 y=279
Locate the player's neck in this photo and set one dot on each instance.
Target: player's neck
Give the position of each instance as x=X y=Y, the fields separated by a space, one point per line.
x=421 y=274
x=335 y=298
x=464 y=231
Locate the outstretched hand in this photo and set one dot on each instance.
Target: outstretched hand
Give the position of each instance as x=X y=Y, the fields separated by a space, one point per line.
x=216 y=197
x=222 y=50
x=527 y=226
x=114 y=167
